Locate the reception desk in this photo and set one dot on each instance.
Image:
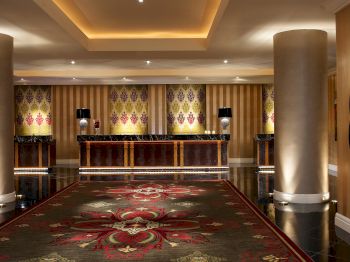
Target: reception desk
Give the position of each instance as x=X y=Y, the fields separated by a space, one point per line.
x=34 y=151
x=153 y=151
x=265 y=150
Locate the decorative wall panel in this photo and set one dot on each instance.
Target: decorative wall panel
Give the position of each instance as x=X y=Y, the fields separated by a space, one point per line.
x=246 y=122
x=129 y=109
x=186 y=109
x=268 y=94
x=33 y=110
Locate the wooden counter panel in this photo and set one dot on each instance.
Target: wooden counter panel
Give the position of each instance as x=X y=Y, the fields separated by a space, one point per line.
x=28 y=155
x=164 y=153
x=106 y=154
x=224 y=153
x=154 y=154
x=200 y=154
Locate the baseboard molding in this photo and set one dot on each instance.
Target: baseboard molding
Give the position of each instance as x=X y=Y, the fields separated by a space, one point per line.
x=342 y=222
x=241 y=160
x=8 y=198
x=67 y=162
x=301 y=198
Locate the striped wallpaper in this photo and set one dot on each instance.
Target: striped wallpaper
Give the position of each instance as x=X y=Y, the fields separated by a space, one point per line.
x=157 y=123
x=246 y=122
x=65 y=100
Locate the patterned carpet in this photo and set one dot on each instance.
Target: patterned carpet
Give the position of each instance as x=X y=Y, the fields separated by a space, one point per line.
x=206 y=221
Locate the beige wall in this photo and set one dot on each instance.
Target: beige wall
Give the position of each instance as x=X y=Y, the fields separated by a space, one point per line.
x=65 y=101
x=246 y=122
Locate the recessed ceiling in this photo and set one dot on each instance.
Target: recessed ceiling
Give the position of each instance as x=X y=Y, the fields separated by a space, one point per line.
x=242 y=34
x=127 y=25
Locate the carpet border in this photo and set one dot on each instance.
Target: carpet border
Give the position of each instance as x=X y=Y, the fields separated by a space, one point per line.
x=26 y=212
x=294 y=248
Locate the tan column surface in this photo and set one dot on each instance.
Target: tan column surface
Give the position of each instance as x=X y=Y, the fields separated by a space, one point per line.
x=301 y=130
x=7 y=190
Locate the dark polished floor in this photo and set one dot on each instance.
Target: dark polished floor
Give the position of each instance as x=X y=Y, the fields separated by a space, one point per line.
x=309 y=226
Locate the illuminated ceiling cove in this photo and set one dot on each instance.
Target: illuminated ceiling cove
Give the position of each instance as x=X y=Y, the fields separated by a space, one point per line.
x=127 y=25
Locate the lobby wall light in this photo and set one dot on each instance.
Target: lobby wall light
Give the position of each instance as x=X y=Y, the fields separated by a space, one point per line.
x=187 y=78
x=225 y=61
x=124 y=78
x=83 y=114
x=225 y=114
x=148 y=62
x=74 y=78
x=72 y=62
x=2 y=205
x=140 y=1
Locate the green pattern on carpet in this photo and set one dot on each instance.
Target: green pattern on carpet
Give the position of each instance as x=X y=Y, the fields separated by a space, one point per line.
x=202 y=221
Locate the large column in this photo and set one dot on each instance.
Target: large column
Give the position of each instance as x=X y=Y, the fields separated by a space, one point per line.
x=301 y=145
x=342 y=218
x=7 y=191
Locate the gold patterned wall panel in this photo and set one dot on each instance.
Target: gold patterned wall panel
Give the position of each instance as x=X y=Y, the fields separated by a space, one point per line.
x=246 y=122
x=332 y=123
x=268 y=94
x=65 y=101
x=185 y=109
x=129 y=109
x=33 y=110
x=157 y=122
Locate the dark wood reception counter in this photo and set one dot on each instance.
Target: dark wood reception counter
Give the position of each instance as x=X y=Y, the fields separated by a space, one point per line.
x=34 y=151
x=265 y=149
x=132 y=151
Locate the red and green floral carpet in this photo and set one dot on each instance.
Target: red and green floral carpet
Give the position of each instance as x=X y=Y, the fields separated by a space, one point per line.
x=206 y=221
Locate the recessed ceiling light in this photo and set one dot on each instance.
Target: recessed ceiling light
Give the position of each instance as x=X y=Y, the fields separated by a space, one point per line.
x=140 y=1
x=148 y=62
x=225 y=61
x=72 y=62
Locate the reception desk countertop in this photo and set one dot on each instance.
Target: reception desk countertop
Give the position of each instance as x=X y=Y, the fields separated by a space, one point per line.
x=33 y=139
x=86 y=138
x=264 y=137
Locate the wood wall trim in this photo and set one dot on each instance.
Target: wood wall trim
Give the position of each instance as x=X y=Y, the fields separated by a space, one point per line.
x=343 y=101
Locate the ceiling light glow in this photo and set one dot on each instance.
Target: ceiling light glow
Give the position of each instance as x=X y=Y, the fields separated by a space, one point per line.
x=225 y=61
x=72 y=62
x=140 y=1
x=148 y=62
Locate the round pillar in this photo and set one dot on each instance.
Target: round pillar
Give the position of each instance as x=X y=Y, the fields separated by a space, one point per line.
x=301 y=129
x=7 y=190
